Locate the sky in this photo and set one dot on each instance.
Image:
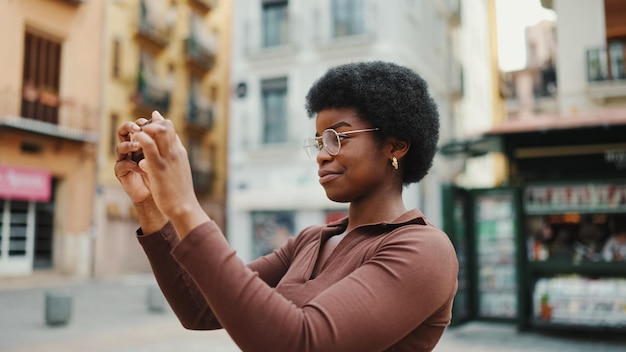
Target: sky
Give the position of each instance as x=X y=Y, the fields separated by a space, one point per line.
x=512 y=17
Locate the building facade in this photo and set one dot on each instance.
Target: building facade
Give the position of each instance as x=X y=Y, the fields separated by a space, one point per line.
x=281 y=47
x=50 y=104
x=75 y=71
x=170 y=56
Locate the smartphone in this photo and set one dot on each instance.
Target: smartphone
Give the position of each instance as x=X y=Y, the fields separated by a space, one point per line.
x=138 y=155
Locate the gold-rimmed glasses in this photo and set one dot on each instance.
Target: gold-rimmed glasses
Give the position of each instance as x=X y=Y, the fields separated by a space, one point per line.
x=329 y=140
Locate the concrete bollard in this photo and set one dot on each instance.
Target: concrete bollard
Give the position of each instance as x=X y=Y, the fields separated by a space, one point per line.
x=58 y=308
x=155 y=299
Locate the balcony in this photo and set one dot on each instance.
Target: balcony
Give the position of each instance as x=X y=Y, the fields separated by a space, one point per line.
x=530 y=91
x=153 y=33
x=44 y=112
x=606 y=72
x=199 y=55
x=200 y=115
x=151 y=96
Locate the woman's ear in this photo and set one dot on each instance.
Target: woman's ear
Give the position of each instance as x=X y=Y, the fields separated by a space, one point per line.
x=398 y=148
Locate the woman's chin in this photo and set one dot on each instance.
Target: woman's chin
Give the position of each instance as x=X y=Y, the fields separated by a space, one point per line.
x=335 y=197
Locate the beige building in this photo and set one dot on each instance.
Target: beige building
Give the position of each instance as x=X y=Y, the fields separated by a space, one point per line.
x=75 y=71
x=50 y=93
x=170 y=56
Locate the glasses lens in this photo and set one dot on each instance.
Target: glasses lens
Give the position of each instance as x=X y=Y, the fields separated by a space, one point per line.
x=311 y=146
x=331 y=141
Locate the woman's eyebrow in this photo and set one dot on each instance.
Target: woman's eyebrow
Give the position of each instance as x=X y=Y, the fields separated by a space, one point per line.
x=335 y=126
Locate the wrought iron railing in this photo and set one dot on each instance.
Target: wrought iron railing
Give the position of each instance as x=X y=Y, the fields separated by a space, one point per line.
x=606 y=63
x=48 y=113
x=157 y=34
x=152 y=96
x=199 y=53
x=200 y=115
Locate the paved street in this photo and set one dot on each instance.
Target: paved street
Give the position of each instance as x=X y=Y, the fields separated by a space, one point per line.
x=115 y=317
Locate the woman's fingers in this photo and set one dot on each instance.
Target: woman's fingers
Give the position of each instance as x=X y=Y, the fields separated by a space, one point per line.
x=123 y=149
x=126 y=130
x=156 y=116
x=163 y=134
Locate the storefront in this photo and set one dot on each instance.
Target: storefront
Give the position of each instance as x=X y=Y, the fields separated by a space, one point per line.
x=25 y=220
x=46 y=199
x=545 y=250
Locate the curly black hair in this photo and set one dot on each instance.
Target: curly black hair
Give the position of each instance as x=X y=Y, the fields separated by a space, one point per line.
x=391 y=97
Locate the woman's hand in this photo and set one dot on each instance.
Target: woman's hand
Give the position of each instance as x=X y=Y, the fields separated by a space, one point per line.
x=134 y=180
x=128 y=172
x=167 y=174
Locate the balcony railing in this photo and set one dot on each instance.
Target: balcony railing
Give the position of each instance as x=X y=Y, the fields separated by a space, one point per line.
x=200 y=116
x=199 y=54
x=606 y=72
x=604 y=64
x=49 y=114
x=156 y=34
x=150 y=96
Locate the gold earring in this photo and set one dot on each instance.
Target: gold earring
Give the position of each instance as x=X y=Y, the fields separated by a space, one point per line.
x=394 y=162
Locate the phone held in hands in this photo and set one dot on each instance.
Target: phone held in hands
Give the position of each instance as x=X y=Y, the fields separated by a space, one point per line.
x=138 y=155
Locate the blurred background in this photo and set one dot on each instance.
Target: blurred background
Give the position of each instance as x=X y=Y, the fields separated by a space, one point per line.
x=529 y=181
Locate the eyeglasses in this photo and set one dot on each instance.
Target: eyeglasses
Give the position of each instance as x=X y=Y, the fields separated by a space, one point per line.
x=329 y=140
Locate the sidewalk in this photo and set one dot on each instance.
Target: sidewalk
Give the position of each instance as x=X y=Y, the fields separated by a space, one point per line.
x=115 y=317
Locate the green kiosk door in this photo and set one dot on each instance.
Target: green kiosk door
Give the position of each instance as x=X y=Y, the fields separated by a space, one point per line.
x=495 y=228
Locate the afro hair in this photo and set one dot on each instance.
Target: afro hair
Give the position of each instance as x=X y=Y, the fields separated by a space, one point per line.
x=392 y=98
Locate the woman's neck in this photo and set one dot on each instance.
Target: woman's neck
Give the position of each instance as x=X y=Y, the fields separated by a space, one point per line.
x=362 y=213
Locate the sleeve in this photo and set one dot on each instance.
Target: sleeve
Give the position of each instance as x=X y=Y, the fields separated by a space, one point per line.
x=181 y=291
x=407 y=281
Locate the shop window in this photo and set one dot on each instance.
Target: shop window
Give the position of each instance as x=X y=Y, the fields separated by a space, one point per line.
x=44 y=227
x=18 y=223
x=577 y=238
x=270 y=230
x=1 y=228
x=26 y=234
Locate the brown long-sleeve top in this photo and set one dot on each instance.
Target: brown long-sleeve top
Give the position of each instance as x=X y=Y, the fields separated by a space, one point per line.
x=385 y=287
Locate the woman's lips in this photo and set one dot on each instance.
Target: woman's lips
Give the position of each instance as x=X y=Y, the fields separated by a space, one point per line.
x=328 y=177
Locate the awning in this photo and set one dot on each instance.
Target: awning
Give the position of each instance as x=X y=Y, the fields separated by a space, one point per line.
x=491 y=140
x=549 y=122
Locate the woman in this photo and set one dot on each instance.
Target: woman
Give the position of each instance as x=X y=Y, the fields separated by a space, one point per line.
x=381 y=279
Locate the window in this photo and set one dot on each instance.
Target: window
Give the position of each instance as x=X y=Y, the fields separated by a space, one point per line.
x=275 y=25
x=271 y=230
x=348 y=17
x=274 y=96
x=40 y=78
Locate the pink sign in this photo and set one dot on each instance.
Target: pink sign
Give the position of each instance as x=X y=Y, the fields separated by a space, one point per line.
x=24 y=184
